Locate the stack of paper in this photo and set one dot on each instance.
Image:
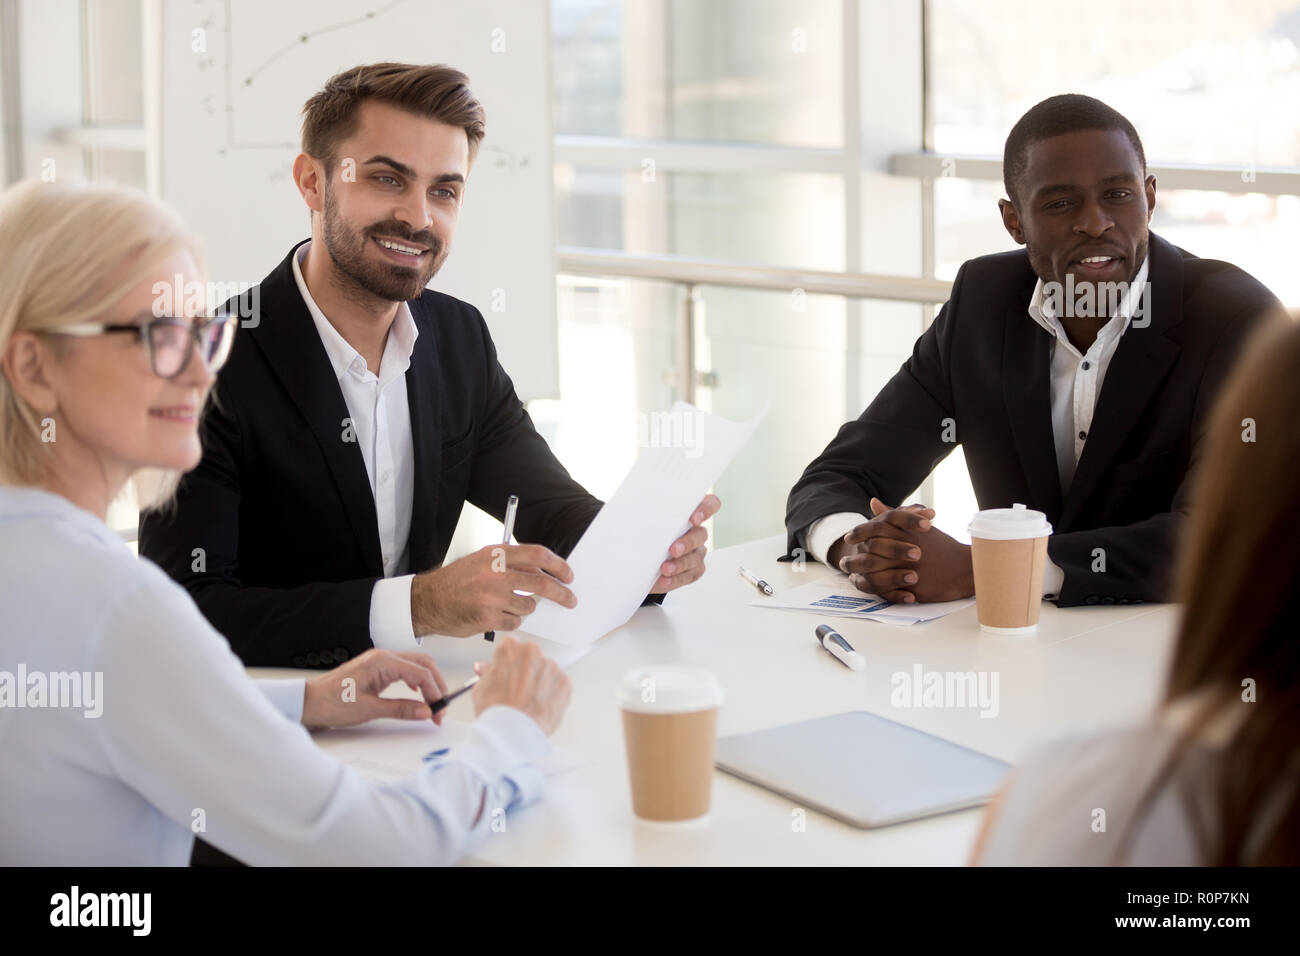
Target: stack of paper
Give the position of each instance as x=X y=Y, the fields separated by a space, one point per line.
x=834 y=596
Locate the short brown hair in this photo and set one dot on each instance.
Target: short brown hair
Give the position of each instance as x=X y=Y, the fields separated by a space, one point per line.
x=436 y=91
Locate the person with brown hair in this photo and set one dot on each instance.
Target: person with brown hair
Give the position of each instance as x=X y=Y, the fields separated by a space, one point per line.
x=361 y=410
x=1213 y=779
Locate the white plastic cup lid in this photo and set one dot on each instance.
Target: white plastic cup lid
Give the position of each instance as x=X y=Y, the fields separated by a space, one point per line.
x=1009 y=524
x=669 y=689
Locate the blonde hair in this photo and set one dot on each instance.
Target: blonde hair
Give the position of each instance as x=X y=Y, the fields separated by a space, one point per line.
x=68 y=252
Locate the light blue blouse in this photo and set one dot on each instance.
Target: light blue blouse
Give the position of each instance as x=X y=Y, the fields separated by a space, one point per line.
x=178 y=740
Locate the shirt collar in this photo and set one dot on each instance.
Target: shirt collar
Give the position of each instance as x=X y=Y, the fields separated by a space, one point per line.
x=1041 y=312
x=400 y=344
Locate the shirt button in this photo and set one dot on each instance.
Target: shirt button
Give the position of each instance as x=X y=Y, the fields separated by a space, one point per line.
x=1086 y=366
x=385 y=476
x=1083 y=435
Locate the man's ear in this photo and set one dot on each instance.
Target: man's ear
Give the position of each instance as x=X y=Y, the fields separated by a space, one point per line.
x=1151 y=197
x=1011 y=220
x=25 y=364
x=309 y=176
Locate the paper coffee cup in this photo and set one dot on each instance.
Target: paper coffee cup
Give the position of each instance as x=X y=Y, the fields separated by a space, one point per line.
x=1009 y=552
x=670 y=721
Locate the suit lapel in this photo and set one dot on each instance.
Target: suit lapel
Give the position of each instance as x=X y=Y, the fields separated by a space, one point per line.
x=1026 y=374
x=423 y=393
x=1139 y=366
x=288 y=338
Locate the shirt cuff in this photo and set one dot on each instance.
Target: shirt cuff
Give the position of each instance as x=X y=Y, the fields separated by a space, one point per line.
x=286 y=696
x=390 y=614
x=503 y=742
x=824 y=532
x=527 y=783
x=1053 y=580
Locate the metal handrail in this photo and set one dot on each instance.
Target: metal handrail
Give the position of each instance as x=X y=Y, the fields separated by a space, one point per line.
x=691 y=271
x=616 y=152
x=1245 y=178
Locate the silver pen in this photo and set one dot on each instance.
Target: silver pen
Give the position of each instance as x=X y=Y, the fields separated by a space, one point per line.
x=755 y=580
x=512 y=505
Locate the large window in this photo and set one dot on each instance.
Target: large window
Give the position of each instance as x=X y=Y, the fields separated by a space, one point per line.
x=1203 y=82
x=764 y=132
x=650 y=97
x=728 y=130
x=764 y=72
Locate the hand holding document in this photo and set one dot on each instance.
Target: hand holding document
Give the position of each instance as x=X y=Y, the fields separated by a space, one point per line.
x=617 y=561
x=834 y=596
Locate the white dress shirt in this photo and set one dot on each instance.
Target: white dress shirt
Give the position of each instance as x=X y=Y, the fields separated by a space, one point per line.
x=1074 y=386
x=185 y=743
x=1076 y=378
x=381 y=420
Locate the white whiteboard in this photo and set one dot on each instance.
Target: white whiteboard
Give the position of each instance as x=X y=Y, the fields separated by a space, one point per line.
x=230 y=121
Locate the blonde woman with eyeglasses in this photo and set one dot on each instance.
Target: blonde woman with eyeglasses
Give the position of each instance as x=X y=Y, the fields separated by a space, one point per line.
x=124 y=717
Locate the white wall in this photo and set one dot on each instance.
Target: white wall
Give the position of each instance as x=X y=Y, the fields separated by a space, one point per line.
x=235 y=75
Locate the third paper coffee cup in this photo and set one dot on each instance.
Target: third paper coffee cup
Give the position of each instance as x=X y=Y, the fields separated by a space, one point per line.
x=670 y=721
x=1009 y=552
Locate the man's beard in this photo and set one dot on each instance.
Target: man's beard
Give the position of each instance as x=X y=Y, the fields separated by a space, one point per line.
x=386 y=281
x=1041 y=263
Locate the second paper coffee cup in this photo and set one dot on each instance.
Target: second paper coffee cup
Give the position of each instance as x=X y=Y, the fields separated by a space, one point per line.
x=1009 y=552
x=670 y=720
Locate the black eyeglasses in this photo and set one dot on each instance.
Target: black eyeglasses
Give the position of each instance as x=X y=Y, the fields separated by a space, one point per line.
x=171 y=341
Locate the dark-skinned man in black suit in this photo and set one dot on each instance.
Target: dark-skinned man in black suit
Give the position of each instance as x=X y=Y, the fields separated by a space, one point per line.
x=1085 y=405
x=360 y=410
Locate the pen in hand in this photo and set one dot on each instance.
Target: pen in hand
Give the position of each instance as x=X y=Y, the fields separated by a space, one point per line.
x=512 y=505
x=440 y=705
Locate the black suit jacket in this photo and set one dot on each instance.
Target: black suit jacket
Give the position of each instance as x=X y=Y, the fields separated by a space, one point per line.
x=281 y=505
x=986 y=364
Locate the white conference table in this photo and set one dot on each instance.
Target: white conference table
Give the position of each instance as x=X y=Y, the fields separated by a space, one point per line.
x=1085 y=669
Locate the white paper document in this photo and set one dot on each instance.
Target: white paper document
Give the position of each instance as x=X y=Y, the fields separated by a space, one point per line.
x=684 y=452
x=387 y=750
x=834 y=596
